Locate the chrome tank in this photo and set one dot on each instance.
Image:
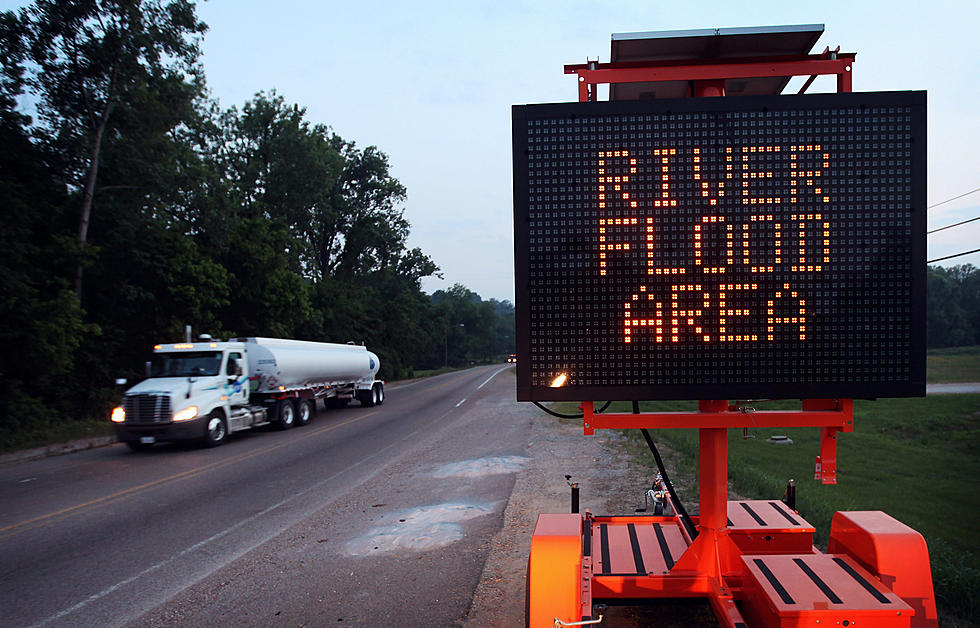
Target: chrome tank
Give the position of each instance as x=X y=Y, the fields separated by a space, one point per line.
x=279 y=364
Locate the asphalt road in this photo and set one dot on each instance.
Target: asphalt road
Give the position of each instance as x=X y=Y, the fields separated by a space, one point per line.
x=367 y=516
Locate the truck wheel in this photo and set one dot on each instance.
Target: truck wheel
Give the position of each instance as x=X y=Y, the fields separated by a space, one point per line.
x=217 y=430
x=135 y=445
x=304 y=412
x=287 y=414
x=368 y=398
x=381 y=392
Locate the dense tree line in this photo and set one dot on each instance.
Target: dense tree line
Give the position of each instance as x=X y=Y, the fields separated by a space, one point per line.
x=133 y=205
x=953 y=306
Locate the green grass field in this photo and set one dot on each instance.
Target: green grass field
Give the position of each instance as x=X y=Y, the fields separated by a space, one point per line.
x=955 y=364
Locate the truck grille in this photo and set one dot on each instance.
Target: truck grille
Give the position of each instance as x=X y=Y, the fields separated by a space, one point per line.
x=147 y=408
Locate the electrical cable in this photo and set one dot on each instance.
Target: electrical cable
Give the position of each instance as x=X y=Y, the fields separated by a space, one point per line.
x=692 y=530
x=957 y=224
x=685 y=517
x=562 y=415
x=939 y=259
x=948 y=200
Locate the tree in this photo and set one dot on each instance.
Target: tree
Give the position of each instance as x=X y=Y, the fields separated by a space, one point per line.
x=249 y=221
x=469 y=325
x=271 y=173
x=505 y=340
x=40 y=322
x=953 y=306
x=278 y=167
x=363 y=229
x=95 y=57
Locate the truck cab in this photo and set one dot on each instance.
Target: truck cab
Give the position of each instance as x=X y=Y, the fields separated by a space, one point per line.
x=190 y=394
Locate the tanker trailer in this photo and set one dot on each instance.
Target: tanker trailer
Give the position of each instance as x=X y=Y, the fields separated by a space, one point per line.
x=208 y=389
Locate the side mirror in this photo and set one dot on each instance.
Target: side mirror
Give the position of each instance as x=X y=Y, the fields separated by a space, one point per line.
x=121 y=381
x=149 y=366
x=238 y=368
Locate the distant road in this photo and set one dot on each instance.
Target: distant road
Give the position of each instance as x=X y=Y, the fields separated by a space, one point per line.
x=957 y=388
x=367 y=516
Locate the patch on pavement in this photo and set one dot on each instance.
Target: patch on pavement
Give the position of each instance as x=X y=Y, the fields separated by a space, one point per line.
x=418 y=529
x=494 y=465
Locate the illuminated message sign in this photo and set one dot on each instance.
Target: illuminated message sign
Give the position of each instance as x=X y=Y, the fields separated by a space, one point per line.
x=721 y=248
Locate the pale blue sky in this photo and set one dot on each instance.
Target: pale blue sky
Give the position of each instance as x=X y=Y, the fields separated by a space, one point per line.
x=431 y=84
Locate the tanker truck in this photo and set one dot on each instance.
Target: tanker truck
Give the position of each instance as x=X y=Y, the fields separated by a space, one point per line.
x=208 y=389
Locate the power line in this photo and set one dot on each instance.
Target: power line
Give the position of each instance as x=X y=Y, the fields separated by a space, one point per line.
x=948 y=200
x=953 y=225
x=939 y=259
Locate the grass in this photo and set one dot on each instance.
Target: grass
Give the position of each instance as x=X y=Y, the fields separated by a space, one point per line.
x=954 y=364
x=916 y=459
x=30 y=438
x=439 y=371
x=432 y=372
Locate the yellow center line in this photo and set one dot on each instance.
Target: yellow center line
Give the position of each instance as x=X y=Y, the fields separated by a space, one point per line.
x=16 y=528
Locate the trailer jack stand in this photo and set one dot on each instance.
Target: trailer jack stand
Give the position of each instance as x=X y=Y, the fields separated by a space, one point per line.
x=585 y=622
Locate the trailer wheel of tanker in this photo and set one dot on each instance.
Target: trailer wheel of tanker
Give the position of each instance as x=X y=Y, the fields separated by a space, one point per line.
x=287 y=414
x=217 y=430
x=304 y=412
x=368 y=398
x=381 y=392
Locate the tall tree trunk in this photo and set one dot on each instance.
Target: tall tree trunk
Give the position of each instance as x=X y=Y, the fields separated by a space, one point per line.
x=89 y=196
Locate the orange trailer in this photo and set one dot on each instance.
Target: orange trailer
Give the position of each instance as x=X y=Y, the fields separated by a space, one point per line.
x=753 y=560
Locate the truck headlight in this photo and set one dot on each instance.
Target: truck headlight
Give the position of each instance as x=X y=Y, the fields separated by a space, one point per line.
x=186 y=414
x=118 y=415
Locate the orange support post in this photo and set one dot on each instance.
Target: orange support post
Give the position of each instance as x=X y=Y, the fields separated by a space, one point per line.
x=713 y=484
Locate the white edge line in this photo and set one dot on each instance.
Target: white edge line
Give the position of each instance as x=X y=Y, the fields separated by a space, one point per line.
x=500 y=370
x=461 y=402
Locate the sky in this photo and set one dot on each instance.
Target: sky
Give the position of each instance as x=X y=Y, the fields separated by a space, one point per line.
x=432 y=83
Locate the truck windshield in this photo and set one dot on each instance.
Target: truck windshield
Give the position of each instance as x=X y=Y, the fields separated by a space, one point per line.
x=191 y=363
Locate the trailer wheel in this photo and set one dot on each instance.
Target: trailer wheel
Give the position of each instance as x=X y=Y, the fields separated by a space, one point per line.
x=304 y=412
x=217 y=430
x=381 y=392
x=287 y=415
x=368 y=398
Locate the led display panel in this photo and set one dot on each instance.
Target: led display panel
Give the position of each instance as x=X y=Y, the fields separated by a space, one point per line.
x=721 y=248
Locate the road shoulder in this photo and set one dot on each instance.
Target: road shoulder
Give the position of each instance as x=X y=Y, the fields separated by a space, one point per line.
x=608 y=480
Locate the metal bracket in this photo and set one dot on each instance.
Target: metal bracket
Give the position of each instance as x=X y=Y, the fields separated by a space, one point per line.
x=825 y=469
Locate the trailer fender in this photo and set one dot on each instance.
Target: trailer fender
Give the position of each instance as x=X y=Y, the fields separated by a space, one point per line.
x=892 y=551
x=554 y=583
